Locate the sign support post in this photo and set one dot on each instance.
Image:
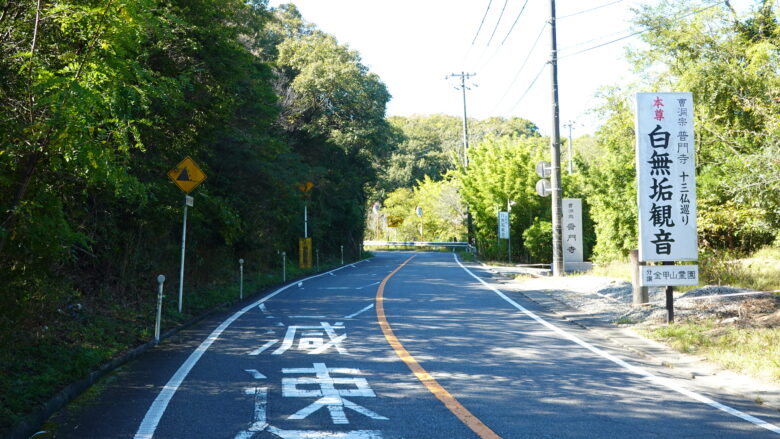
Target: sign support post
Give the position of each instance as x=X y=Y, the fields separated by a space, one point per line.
x=187 y=202
x=187 y=176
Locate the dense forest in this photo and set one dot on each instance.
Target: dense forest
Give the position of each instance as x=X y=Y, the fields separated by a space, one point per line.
x=100 y=98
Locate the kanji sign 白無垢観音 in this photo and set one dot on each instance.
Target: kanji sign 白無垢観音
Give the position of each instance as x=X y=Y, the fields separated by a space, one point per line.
x=666 y=177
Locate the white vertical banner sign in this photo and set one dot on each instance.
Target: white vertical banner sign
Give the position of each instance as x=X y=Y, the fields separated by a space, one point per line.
x=503 y=225
x=666 y=177
x=572 y=230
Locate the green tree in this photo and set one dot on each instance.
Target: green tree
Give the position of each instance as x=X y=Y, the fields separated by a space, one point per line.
x=608 y=179
x=731 y=63
x=443 y=211
x=500 y=170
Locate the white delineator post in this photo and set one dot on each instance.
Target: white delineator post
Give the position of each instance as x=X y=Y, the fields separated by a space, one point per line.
x=160 y=281
x=241 y=279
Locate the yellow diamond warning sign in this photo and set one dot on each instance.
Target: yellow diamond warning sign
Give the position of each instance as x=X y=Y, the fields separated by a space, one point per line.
x=187 y=175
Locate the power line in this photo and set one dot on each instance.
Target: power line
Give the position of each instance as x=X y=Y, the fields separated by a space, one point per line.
x=589 y=10
x=604 y=44
x=497 y=22
x=482 y=22
x=694 y=12
x=529 y=88
x=583 y=43
x=515 y=22
x=522 y=66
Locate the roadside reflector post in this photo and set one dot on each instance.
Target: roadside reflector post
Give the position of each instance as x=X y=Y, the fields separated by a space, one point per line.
x=284 y=266
x=160 y=281
x=317 y=252
x=342 y=255
x=241 y=279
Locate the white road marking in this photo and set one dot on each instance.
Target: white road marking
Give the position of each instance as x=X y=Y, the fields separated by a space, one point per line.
x=330 y=397
x=263 y=308
x=306 y=317
x=351 y=288
x=335 y=340
x=260 y=421
x=664 y=382
x=255 y=374
x=262 y=348
x=359 y=312
x=152 y=418
x=297 y=434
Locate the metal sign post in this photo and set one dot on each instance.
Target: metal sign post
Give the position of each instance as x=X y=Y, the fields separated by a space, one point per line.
x=509 y=204
x=187 y=175
x=188 y=202
x=419 y=212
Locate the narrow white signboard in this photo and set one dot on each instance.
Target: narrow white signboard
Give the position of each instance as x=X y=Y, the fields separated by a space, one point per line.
x=572 y=230
x=666 y=177
x=503 y=225
x=668 y=275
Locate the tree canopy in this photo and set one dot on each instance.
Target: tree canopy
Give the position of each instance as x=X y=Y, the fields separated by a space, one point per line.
x=101 y=98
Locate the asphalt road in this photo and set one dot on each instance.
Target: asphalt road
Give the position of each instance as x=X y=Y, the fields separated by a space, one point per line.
x=317 y=360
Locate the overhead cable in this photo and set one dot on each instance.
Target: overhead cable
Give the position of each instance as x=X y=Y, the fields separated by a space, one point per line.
x=589 y=10
x=497 y=22
x=529 y=88
x=482 y=22
x=515 y=22
x=525 y=61
x=697 y=11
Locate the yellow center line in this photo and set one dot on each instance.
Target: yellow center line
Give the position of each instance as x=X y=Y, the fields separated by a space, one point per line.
x=471 y=421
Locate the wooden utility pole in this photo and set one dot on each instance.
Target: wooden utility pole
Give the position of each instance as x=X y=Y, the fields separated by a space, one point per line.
x=555 y=150
x=463 y=87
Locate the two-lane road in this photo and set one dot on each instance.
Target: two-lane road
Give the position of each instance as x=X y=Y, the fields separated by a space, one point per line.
x=404 y=345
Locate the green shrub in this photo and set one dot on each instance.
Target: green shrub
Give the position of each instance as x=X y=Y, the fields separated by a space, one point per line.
x=537 y=239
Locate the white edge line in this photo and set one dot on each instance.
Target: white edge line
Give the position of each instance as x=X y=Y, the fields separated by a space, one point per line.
x=154 y=414
x=664 y=382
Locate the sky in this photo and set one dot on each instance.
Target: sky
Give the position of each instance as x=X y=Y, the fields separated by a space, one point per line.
x=413 y=45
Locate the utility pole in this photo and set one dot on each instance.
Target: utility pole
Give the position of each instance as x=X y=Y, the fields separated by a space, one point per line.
x=570 y=125
x=555 y=150
x=463 y=87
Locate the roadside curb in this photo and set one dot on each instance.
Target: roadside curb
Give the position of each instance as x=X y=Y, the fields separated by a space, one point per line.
x=684 y=366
